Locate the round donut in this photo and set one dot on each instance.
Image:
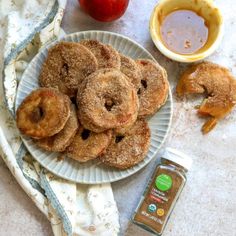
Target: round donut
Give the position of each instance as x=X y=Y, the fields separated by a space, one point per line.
x=107 y=101
x=154 y=87
x=43 y=113
x=106 y=56
x=131 y=70
x=59 y=141
x=130 y=148
x=88 y=145
x=67 y=64
x=121 y=129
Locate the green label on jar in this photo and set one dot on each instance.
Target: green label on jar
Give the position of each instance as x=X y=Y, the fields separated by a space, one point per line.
x=163 y=182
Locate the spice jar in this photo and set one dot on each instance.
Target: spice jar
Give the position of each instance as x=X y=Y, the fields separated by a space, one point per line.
x=162 y=191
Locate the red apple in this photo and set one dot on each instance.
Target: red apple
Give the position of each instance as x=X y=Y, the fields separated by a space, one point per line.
x=104 y=10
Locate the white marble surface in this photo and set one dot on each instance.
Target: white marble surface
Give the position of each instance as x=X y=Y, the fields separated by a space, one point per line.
x=207 y=205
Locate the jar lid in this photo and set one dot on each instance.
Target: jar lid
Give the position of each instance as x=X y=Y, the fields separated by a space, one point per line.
x=177 y=157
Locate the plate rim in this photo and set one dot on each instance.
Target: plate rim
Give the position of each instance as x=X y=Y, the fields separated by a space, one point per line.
x=113 y=179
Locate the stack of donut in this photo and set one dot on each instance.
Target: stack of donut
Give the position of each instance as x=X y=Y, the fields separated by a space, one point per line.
x=93 y=103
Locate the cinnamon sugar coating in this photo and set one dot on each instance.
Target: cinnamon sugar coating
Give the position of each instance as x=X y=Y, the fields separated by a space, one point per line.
x=130 y=148
x=106 y=56
x=154 y=87
x=87 y=145
x=130 y=68
x=108 y=101
x=218 y=84
x=66 y=66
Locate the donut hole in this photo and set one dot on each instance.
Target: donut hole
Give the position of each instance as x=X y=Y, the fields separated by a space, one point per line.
x=119 y=138
x=64 y=69
x=85 y=134
x=109 y=103
x=143 y=86
x=73 y=100
x=144 y=83
x=37 y=114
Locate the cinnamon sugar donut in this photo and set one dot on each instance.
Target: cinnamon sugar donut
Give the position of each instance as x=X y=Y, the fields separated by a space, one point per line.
x=131 y=70
x=106 y=56
x=43 y=113
x=154 y=87
x=108 y=101
x=121 y=129
x=130 y=148
x=88 y=145
x=59 y=141
x=217 y=83
x=67 y=64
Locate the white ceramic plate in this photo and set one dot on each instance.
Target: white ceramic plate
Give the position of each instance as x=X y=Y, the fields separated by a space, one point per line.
x=93 y=172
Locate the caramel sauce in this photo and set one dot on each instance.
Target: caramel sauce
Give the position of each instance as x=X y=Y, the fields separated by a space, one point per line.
x=184 y=31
